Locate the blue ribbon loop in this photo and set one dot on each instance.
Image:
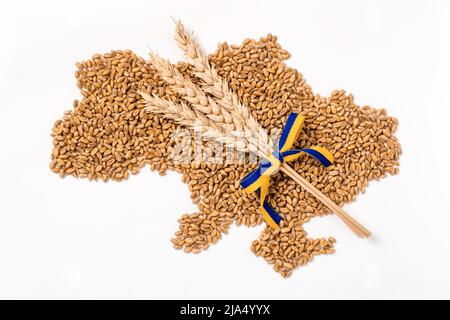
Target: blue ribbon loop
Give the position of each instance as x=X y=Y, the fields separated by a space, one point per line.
x=259 y=179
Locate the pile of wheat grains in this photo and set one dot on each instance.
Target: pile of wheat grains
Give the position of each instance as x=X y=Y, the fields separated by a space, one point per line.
x=107 y=135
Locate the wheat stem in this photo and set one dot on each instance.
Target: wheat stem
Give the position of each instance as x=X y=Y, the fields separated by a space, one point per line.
x=229 y=101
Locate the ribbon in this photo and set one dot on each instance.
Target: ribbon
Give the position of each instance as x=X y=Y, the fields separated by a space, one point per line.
x=259 y=179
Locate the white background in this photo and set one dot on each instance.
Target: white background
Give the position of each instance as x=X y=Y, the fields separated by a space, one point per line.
x=68 y=238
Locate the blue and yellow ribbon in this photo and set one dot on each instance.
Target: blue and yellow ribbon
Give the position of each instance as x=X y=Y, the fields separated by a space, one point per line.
x=259 y=179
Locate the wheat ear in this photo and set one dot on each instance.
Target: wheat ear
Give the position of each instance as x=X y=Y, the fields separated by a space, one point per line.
x=192 y=93
x=188 y=118
x=230 y=123
x=215 y=85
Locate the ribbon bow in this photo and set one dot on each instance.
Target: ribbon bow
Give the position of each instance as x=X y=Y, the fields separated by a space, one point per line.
x=259 y=179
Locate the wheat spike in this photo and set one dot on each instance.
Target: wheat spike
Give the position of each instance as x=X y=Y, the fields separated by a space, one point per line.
x=188 y=118
x=218 y=87
x=192 y=93
x=231 y=125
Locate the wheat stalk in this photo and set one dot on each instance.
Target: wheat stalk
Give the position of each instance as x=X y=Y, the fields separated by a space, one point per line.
x=229 y=101
x=223 y=113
